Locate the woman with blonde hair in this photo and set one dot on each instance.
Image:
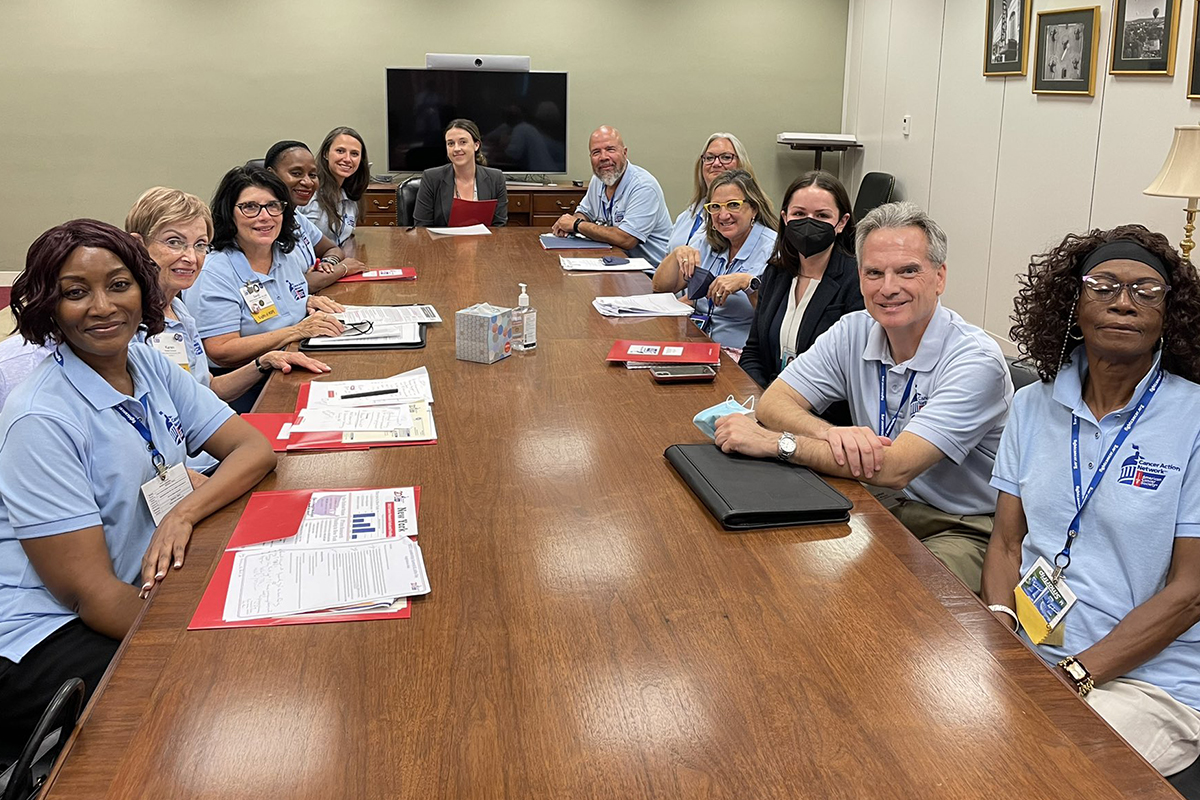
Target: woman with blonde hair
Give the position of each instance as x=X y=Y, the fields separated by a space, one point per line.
x=721 y=153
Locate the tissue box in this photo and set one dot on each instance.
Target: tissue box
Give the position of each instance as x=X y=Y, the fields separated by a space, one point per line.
x=483 y=333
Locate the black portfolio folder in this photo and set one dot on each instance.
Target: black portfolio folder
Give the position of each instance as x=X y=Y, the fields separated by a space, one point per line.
x=748 y=493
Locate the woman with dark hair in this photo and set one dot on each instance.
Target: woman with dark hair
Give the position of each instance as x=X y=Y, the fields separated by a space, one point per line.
x=91 y=442
x=1100 y=572
x=253 y=295
x=293 y=162
x=721 y=275
x=343 y=175
x=810 y=281
x=466 y=177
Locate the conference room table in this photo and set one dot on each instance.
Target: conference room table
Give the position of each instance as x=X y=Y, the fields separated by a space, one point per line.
x=591 y=630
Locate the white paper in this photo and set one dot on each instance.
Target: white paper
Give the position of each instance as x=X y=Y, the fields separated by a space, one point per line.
x=373 y=418
x=598 y=265
x=279 y=581
x=382 y=273
x=390 y=315
x=660 y=304
x=380 y=333
x=163 y=494
x=467 y=230
x=352 y=517
x=397 y=390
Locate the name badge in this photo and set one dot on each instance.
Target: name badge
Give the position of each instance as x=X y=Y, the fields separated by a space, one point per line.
x=262 y=308
x=1042 y=603
x=164 y=492
x=173 y=346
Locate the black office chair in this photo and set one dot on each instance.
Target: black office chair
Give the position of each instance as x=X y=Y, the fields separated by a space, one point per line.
x=1022 y=374
x=256 y=162
x=406 y=201
x=1187 y=783
x=875 y=190
x=25 y=777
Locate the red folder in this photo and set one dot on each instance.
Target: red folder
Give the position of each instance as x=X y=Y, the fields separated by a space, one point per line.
x=271 y=515
x=471 y=212
x=388 y=274
x=269 y=426
x=666 y=352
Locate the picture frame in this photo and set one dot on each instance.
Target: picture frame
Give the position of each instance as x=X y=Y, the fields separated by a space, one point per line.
x=1006 y=37
x=1068 y=43
x=1193 y=90
x=1144 y=36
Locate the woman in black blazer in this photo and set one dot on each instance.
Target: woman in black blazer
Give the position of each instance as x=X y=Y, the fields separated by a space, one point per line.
x=814 y=262
x=467 y=176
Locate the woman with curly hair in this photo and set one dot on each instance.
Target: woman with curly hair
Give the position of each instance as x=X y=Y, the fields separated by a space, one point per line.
x=1095 y=553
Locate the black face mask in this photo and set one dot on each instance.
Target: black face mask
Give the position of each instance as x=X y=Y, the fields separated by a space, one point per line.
x=809 y=236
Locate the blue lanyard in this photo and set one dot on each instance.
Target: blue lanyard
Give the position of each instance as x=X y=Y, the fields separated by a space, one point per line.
x=607 y=213
x=156 y=458
x=695 y=226
x=1063 y=559
x=886 y=427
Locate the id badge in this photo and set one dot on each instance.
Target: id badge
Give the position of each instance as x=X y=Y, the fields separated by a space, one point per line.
x=262 y=308
x=164 y=493
x=174 y=347
x=1043 y=603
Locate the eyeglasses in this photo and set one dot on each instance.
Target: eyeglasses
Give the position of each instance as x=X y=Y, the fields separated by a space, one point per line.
x=1146 y=293
x=177 y=246
x=733 y=206
x=252 y=209
x=724 y=158
x=358 y=328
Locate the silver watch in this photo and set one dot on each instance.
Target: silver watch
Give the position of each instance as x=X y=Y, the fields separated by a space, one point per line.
x=787 y=446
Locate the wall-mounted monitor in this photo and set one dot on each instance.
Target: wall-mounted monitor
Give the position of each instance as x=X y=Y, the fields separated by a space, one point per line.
x=522 y=117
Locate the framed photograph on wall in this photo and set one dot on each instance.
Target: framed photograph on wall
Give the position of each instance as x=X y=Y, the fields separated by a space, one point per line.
x=1193 y=84
x=1144 y=37
x=1067 y=45
x=1007 y=37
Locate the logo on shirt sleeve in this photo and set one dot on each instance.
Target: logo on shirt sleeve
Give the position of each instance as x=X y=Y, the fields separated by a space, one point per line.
x=917 y=403
x=1137 y=471
x=299 y=290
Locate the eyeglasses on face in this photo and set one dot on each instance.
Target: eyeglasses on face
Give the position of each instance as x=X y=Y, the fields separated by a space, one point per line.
x=251 y=209
x=724 y=158
x=177 y=246
x=1147 y=292
x=733 y=206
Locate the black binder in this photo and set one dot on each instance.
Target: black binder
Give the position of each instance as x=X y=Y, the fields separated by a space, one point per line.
x=749 y=493
x=350 y=344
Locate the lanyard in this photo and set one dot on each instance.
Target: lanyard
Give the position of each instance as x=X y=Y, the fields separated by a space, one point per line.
x=1063 y=559
x=886 y=427
x=695 y=226
x=607 y=212
x=156 y=458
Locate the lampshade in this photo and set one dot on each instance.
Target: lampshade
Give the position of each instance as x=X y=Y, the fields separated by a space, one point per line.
x=1180 y=175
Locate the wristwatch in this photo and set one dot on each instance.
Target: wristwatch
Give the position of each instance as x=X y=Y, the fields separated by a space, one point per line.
x=1078 y=674
x=263 y=369
x=575 y=227
x=755 y=282
x=787 y=447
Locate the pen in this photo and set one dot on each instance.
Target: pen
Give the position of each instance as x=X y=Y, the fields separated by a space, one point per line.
x=375 y=393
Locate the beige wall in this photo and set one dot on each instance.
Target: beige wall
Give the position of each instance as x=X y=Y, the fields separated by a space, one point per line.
x=100 y=100
x=1006 y=172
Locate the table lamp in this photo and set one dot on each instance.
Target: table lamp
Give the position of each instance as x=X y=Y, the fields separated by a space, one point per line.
x=1180 y=177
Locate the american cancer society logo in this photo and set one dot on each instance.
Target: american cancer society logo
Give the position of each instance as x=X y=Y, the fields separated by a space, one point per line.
x=1137 y=471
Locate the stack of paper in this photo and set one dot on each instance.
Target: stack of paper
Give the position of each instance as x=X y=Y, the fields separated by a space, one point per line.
x=661 y=304
x=378 y=326
x=466 y=230
x=598 y=265
x=350 y=554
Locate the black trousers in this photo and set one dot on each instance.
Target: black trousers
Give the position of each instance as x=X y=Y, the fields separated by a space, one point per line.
x=26 y=688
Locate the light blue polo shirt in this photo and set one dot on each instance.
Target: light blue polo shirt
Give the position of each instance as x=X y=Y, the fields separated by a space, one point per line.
x=729 y=324
x=217 y=302
x=308 y=236
x=689 y=221
x=1149 y=496
x=637 y=207
x=69 y=460
x=317 y=215
x=184 y=329
x=960 y=398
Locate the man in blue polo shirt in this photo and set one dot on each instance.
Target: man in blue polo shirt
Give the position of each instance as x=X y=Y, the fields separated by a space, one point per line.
x=624 y=204
x=928 y=393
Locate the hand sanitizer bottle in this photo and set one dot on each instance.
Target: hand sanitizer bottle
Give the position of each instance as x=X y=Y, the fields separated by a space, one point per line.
x=524 y=323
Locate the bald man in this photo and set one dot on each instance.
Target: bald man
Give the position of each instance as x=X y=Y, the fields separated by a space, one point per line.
x=624 y=204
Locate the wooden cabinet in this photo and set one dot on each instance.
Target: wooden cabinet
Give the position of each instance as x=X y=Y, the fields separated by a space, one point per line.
x=538 y=206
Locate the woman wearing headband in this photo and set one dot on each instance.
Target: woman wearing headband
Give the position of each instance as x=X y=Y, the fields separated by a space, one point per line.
x=1095 y=554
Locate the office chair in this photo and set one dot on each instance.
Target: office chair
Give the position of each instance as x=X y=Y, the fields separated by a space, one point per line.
x=875 y=190
x=1187 y=782
x=256 y=162
x=24 y=779
x=406 y=201
x=1022 y=374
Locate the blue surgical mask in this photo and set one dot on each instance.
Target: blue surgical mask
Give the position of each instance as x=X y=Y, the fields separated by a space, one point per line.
x=706 y=420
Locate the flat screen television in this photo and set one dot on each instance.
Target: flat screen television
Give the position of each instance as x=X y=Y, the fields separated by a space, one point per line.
x=522 y=117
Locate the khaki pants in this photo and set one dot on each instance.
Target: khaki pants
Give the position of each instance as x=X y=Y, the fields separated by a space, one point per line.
x=1163 y=730
x=957 y=540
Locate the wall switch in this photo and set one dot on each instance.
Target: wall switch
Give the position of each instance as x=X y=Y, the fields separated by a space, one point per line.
x=906 y=125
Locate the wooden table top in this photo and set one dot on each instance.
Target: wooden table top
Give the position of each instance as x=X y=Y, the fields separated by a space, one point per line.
x=591 y=632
